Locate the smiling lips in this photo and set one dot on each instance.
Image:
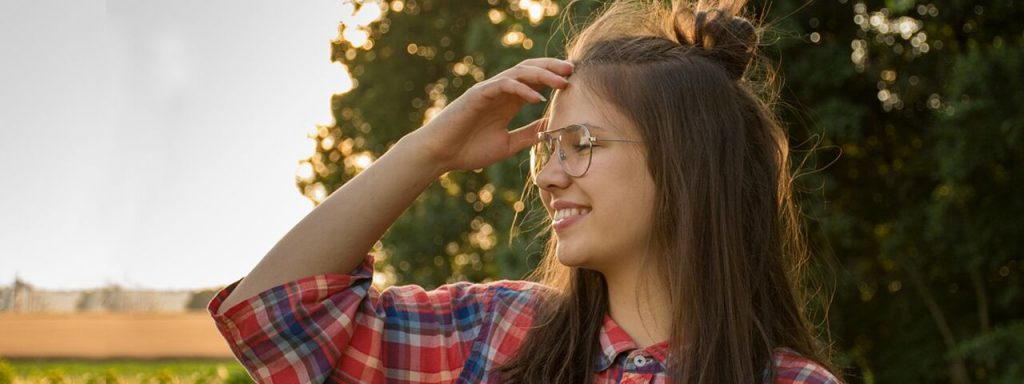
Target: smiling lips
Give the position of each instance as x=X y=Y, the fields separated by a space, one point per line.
x=566 y=217
x=563 y=213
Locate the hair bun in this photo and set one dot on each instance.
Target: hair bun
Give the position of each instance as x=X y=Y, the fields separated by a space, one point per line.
x=728 y=39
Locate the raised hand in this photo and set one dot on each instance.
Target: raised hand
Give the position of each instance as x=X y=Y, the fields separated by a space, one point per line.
x=472 y=132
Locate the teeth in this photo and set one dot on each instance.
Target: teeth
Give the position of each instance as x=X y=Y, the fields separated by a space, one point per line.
x=563 y=213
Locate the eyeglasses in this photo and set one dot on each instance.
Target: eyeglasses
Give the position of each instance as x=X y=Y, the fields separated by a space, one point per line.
x=574 y=143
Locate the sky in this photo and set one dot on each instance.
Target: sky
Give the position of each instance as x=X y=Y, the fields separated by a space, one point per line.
x=154 y=144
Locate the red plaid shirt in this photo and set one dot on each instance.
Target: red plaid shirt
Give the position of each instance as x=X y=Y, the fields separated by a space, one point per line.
x=340 y=329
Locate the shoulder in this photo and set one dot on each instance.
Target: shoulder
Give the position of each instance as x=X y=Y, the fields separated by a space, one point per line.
x=514 y=291
x=793 y=368
x=513 y=288
x=495 y=294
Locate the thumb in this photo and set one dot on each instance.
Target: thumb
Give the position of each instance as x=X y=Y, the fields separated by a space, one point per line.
x=525 y=136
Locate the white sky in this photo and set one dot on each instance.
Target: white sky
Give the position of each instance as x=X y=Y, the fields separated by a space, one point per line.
x=154 y=144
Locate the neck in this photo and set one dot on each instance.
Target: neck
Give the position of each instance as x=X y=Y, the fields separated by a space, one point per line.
x=644 y=314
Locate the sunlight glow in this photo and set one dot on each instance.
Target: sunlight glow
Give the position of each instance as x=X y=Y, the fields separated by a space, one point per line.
x=438 y=100
x=496 y=16
x=316 y=192
x=431 y=113
x=460 y=69
x=513 y=38
x=486 y=193
x=363 y=161
x=450 y=185
x=343 y=83
x=305 y=171
x=536 y=11
x=348 y=8
x=359 y=161
x=357 y=36
x=327 y=143
x=484 y=238
x=367 y=14
x=355 y=23
x=887 y=28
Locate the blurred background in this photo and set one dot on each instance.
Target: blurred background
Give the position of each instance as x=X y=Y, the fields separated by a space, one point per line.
x=152 y=152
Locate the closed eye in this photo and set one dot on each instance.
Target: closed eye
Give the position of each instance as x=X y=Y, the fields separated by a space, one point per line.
x=580 y=148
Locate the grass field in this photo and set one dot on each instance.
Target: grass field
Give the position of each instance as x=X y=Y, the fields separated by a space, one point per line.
x=124 y=371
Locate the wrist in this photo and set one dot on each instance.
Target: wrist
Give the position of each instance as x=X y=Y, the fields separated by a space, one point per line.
x=411 y=146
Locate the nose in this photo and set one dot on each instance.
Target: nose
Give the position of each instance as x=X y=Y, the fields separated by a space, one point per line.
x=552 y=176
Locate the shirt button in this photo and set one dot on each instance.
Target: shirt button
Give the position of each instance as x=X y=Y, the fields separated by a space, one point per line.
x=640 y=361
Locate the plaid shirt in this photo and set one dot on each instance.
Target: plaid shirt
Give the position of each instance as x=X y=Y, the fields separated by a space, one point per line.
x=340 y=329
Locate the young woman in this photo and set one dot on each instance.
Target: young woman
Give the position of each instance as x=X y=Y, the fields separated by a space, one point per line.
x=674 y=232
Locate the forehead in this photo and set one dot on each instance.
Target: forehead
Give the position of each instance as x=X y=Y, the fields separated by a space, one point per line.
x=578 y=105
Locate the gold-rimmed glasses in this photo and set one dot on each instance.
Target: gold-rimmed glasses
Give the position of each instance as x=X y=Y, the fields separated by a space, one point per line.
x=574 y=145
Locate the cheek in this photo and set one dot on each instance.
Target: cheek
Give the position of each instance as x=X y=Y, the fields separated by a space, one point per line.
x=624 y=185
x=635 y=192
x=636 y=224
x=638 y=206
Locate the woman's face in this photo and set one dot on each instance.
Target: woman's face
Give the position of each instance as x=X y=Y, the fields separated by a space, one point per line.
x=617 y=190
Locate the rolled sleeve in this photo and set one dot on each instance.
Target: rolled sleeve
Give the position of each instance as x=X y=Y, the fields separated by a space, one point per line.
x=339 y=328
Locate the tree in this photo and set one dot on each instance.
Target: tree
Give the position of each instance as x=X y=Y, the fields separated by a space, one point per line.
x=911 y=192
x=920 y=211
x=419 y=56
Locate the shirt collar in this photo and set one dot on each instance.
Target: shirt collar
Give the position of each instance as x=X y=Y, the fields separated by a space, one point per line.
x=615 y=340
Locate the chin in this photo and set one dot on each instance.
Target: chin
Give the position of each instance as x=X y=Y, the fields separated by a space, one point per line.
x=566 y=257
x=570 y=258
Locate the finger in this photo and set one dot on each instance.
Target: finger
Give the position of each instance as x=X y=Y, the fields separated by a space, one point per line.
x=525 y=136
x=538 y=77
x=558 y=66
x=504 y=85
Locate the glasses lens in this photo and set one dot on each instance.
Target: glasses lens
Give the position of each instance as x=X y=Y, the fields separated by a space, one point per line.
x=573 y=153
x=575 y=150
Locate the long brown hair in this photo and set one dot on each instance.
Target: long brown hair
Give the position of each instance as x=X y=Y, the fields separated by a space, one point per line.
x=728 y=229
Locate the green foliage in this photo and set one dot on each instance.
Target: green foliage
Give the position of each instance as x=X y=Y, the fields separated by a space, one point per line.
x=7 y=372
x=239 y=377
x=1001 y=347
x=55 y=376
x=204 y=379
x=163 y=376
x=109 y=376
x=127 y=371
x=915 y=107
x=919 y=211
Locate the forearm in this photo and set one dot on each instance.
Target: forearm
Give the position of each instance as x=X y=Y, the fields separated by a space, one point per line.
x=470 y=133
x=336 y=236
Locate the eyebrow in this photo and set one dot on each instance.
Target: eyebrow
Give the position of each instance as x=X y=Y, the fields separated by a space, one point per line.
x=591 y=126
x=598 y=127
